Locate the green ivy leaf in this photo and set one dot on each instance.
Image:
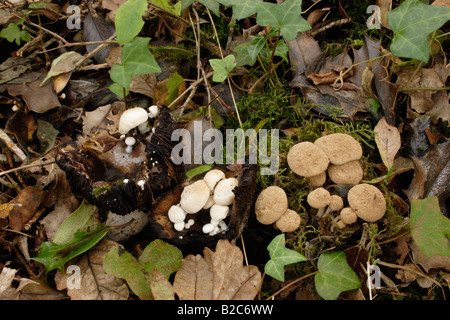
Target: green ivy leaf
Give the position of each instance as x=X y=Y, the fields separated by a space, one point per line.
x=129 y=20
x=430 y=229
x=54 y=256
x=242 y=56
x=280 y=256
x=13 y=33
x=334 y=275
x=166 y=5
x=121 y=75
x=158 y=255
x=412 y=22
x=222 y=67
x=137 y=59
x=212 y=5
x=284 y=17
x=241 y=8
x=198 y=170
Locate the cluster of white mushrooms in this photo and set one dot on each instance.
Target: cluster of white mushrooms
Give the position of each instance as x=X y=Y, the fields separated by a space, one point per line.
x=338 y=157
x=213 y=192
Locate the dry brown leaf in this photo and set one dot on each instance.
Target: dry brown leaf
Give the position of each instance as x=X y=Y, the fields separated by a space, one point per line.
x=220 y=275
x=161 y=288
x=39 y=98
x=428 y=263
x=388 y=141
x=95 y=283
x=27 y=203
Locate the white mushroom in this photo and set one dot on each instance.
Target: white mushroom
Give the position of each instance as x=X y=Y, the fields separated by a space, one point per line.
x=131 y=118
x=209 y=203
x=153 y=111
x=212 y=177
x=194 y=196
x=176 y=214
x=207 y=228
x=130 y=142
x=179 y=226
x=218 y=213
x=141 y=183
x=223 y=192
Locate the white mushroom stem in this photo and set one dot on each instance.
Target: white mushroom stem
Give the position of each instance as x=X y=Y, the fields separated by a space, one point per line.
x=130 y=142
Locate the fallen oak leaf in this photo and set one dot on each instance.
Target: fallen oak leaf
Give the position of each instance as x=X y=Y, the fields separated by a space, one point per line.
x=219 y=275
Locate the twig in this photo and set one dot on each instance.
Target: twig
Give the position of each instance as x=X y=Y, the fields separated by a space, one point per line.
x=12 y=146
x=93 y=52
x=329 y=26
x=27 y=166
x=290 y=284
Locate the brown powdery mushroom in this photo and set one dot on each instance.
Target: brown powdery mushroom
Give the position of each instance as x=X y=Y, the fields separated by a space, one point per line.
x=367 y=201
x=319 y=180
x=307 y=159
x=349 y=173
x=348 y=216
x=319 y=198
x=289 y=221
x=339 y=147
x=270 y=205
x=336 y=204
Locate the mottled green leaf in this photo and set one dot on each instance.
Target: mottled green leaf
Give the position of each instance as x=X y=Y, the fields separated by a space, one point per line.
x=334 y=275
x=412 y=22
x=158 y=255
x=241 y=8
x=430 y=229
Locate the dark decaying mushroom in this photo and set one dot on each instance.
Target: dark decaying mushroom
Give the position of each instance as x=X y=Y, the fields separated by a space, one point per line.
x=115 y=180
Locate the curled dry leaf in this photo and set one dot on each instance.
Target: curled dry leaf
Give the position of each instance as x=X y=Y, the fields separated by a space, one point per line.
x=219 y=275
x=95 y=283
x=388 y=141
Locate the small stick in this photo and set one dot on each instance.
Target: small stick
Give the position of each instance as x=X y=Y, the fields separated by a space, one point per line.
x=12 y=146
x=27 y=166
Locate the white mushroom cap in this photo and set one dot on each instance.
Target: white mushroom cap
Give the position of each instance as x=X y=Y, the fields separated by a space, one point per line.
x=223 y=192
x=209 y=203
x=153 y=111
x=218 y=212
x=340 y=148
x=307 y=160
x=207 y=228
x=194 y=196
x=212 y=177
x=179 y=226
x=130 y=142
x=270 y=205
x=176 y=214
x=131 y=118
x=367 y=201
x=289 y=221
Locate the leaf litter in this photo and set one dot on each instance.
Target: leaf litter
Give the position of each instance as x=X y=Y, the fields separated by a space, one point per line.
x=50 y=234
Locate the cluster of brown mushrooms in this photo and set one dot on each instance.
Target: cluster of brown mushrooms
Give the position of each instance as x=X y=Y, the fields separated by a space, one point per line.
x=338 y=157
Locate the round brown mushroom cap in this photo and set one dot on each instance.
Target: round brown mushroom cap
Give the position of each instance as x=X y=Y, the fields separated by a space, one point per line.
x=348 y=173
x=319 y=198
x=307 y=159
x=348 y=216
x=340 y=148
x=289 y=221
x=336 y=203
x=367 y=201
x=319 y=180
x=270 y=205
